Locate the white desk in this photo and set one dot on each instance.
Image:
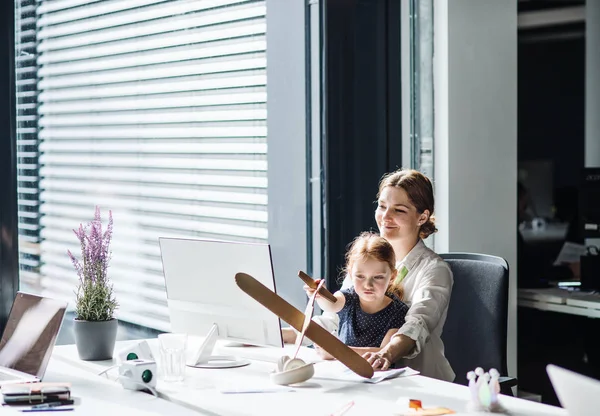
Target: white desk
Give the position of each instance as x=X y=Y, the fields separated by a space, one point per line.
x=98 y=396
x=317 y=397
x=561 y=301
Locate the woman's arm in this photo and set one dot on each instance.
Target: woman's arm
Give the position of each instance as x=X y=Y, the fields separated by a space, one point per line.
x=382 y=358
x=391 y=349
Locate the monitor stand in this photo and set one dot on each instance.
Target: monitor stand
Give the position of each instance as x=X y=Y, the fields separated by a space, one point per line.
x=204 y=357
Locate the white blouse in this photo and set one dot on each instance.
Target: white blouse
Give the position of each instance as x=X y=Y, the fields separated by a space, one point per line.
x=427 y=289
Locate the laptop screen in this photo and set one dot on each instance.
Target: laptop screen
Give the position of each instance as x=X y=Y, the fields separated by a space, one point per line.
x=30 y=333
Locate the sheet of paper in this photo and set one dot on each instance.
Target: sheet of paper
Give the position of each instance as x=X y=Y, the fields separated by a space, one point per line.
x=242 y=386
x=334 y=370
x=570 y=253
x=247 y=389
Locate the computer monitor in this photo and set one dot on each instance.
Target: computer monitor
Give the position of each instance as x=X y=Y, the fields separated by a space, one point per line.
x=204 y=300
x=589 y=203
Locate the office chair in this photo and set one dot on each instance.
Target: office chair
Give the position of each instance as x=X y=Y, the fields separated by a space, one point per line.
x=476 y=326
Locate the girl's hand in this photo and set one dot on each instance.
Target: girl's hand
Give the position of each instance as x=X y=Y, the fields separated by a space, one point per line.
x=309 y=291
x=323 y=354
x=379 y=360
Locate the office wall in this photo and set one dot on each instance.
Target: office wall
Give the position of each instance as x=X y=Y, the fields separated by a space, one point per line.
x=592 y=84
x=475 y=75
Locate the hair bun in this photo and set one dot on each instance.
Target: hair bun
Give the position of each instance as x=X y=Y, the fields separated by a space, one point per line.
x=428 y=228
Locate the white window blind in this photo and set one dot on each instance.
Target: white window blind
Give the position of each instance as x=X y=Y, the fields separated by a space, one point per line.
x=156 y=110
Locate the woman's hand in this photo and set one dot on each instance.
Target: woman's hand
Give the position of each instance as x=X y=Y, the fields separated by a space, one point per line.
x=381 y=360
x=399 y=346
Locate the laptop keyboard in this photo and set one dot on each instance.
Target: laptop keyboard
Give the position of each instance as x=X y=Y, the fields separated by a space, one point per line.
x=6 y=377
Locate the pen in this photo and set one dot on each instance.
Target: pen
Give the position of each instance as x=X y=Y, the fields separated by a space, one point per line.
x=52 y=404
x=49 y=409
x=342 y=410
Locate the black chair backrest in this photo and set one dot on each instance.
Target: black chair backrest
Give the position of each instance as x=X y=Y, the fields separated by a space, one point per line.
x=475 y=330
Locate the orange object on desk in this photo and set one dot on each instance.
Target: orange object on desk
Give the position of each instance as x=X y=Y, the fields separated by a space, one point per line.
x=415 y=407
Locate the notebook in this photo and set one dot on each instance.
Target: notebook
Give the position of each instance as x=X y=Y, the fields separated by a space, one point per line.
x=32 y=393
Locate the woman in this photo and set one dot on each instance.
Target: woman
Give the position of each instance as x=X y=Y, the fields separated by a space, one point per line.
x=404 y=216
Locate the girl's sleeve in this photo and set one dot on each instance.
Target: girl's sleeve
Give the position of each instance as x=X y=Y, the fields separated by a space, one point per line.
x=429 y=304
x=329 y=320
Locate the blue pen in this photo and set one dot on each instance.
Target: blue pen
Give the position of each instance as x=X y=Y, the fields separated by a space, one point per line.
x=48 y=409
x=53 y=404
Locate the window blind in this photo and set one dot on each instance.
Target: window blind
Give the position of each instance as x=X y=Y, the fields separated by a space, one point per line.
x=27 y=144
x=155 y=110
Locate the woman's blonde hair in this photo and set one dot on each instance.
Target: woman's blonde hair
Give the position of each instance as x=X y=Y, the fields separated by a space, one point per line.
x=419 y=189
x=369 y=245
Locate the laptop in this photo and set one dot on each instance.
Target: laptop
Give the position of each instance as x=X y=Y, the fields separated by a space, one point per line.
x=578 y=394
x=29 y=337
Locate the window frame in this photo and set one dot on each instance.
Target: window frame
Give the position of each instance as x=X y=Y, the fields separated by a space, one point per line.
x=362 y=118
x=9 y=254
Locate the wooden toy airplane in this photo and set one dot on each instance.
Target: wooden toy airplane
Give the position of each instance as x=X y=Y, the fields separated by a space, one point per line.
x=295 y=318
x=313 y=285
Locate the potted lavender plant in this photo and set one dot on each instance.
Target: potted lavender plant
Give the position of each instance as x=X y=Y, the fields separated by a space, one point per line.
x=95 y=327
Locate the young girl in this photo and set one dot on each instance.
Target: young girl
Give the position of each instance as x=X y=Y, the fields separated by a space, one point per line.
x=370 y=311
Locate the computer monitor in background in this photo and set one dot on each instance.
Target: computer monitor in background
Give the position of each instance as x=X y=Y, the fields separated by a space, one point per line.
x=204 y=300
x=589 y=203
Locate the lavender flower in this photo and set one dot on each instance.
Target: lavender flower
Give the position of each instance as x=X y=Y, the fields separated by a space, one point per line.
x=95 y=299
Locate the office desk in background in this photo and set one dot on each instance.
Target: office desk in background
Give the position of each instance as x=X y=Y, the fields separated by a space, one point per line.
x=552 y=232
x=318 y=396
x=556 y=326
x=561 y=300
